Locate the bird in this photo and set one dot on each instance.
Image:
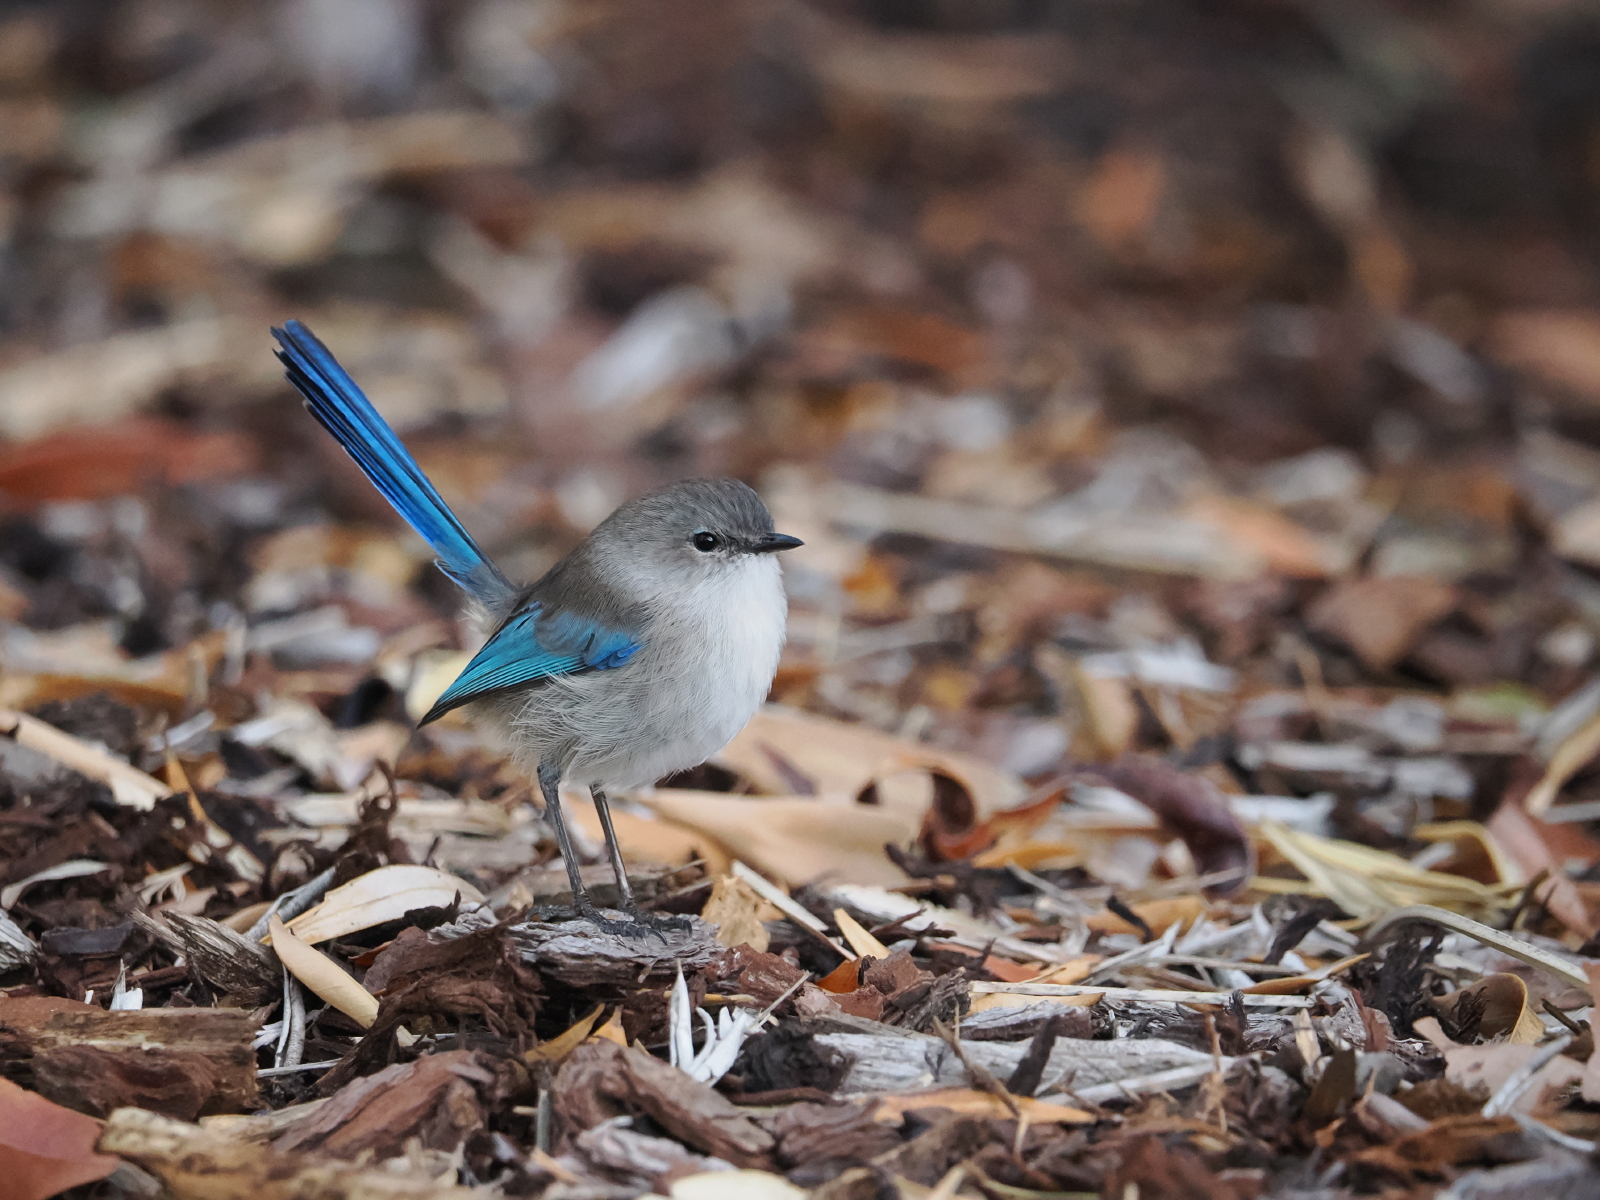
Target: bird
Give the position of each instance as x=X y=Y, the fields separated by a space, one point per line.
x=639 y=654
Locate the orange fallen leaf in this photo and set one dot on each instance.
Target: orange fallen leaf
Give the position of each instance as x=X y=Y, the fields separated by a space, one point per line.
x=1029 y=855
x=1003 y=969
x=563 y=1044
x=612 y=1030
x=844 y=978
x=891 y=1110
x=1119 y=201
x=1287 y=547
x=119 y=459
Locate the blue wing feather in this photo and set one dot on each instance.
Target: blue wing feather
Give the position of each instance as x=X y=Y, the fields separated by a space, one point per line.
x=535 y=644
x=346 y=413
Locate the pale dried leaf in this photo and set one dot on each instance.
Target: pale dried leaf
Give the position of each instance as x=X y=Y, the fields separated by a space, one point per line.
x=323 y=976
x=386 y=894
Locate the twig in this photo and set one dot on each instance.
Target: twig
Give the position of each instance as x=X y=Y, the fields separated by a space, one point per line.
x=264 y=1072
x=980 y=1074
x=948 y=1186
x=1577 y=1030
x=292 y=903
x=129 y=785
x=292 y=1047
x=542 y=1121
x=779 y=899
x=1521 y=1079
x=1565 y=1140
x=1161 y=1081
x=1227 y=964
x=1139 y=995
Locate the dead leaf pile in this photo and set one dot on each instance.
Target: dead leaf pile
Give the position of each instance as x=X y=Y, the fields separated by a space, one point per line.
x=1182 y=775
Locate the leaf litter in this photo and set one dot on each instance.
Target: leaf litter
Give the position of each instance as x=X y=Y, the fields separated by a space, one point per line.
x=1180 y=780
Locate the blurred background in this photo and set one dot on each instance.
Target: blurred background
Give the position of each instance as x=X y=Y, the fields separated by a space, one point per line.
x=1117 y=359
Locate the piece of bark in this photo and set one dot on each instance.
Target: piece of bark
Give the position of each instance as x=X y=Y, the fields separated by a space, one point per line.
x=601 y=1080
x=1018 y=1023
x=754 y=973
x=480 y=973
x=197 y=1164
x=893 y=975
x=896 y=1064
x=646 y=1162
x=866 y=1003
x=66 y=942
x=789 y=1058
x=953 y=1138
x=261 y=1126
x=694 y=1113
x=1029 y=1071
x=178 y=1062
x=436 y=979
x=812 y=1133
x=943 y=998
x=244 y=970
x=591 y=1087
x=440 y=1099
x=581 y=954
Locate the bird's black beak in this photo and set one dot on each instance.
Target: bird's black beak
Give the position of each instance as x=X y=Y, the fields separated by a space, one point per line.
x=771 y=543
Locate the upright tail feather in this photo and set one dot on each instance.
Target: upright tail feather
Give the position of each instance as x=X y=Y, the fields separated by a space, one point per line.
x=344 y=411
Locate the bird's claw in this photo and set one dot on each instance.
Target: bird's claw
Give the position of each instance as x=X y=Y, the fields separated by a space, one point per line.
x=634 y=923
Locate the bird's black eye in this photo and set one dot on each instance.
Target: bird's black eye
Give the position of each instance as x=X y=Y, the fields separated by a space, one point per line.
x=705 y=542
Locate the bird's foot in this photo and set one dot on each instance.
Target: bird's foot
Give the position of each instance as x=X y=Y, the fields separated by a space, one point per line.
x=662 y=922
x=633 y=922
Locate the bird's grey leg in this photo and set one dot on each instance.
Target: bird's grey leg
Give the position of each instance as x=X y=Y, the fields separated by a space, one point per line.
x=603 y=807
x=550 y=786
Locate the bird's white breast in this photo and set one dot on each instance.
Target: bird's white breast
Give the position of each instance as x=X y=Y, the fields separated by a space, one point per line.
x=710 y=653
x=742 y=614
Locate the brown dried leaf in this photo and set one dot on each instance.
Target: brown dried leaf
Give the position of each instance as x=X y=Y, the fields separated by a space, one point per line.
x=735 y=909
x=1381 y=619
x=44 y=1148
x=1193 y=808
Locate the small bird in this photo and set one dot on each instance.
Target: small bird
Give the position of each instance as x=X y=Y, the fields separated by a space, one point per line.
x=642 y=652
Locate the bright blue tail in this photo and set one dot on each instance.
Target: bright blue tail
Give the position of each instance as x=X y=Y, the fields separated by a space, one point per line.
x=336 y=401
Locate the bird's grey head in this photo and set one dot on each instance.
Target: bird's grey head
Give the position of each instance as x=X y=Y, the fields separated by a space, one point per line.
x=695 y=529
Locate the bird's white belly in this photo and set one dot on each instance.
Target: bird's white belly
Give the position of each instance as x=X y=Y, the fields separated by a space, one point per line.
x=705 y=669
